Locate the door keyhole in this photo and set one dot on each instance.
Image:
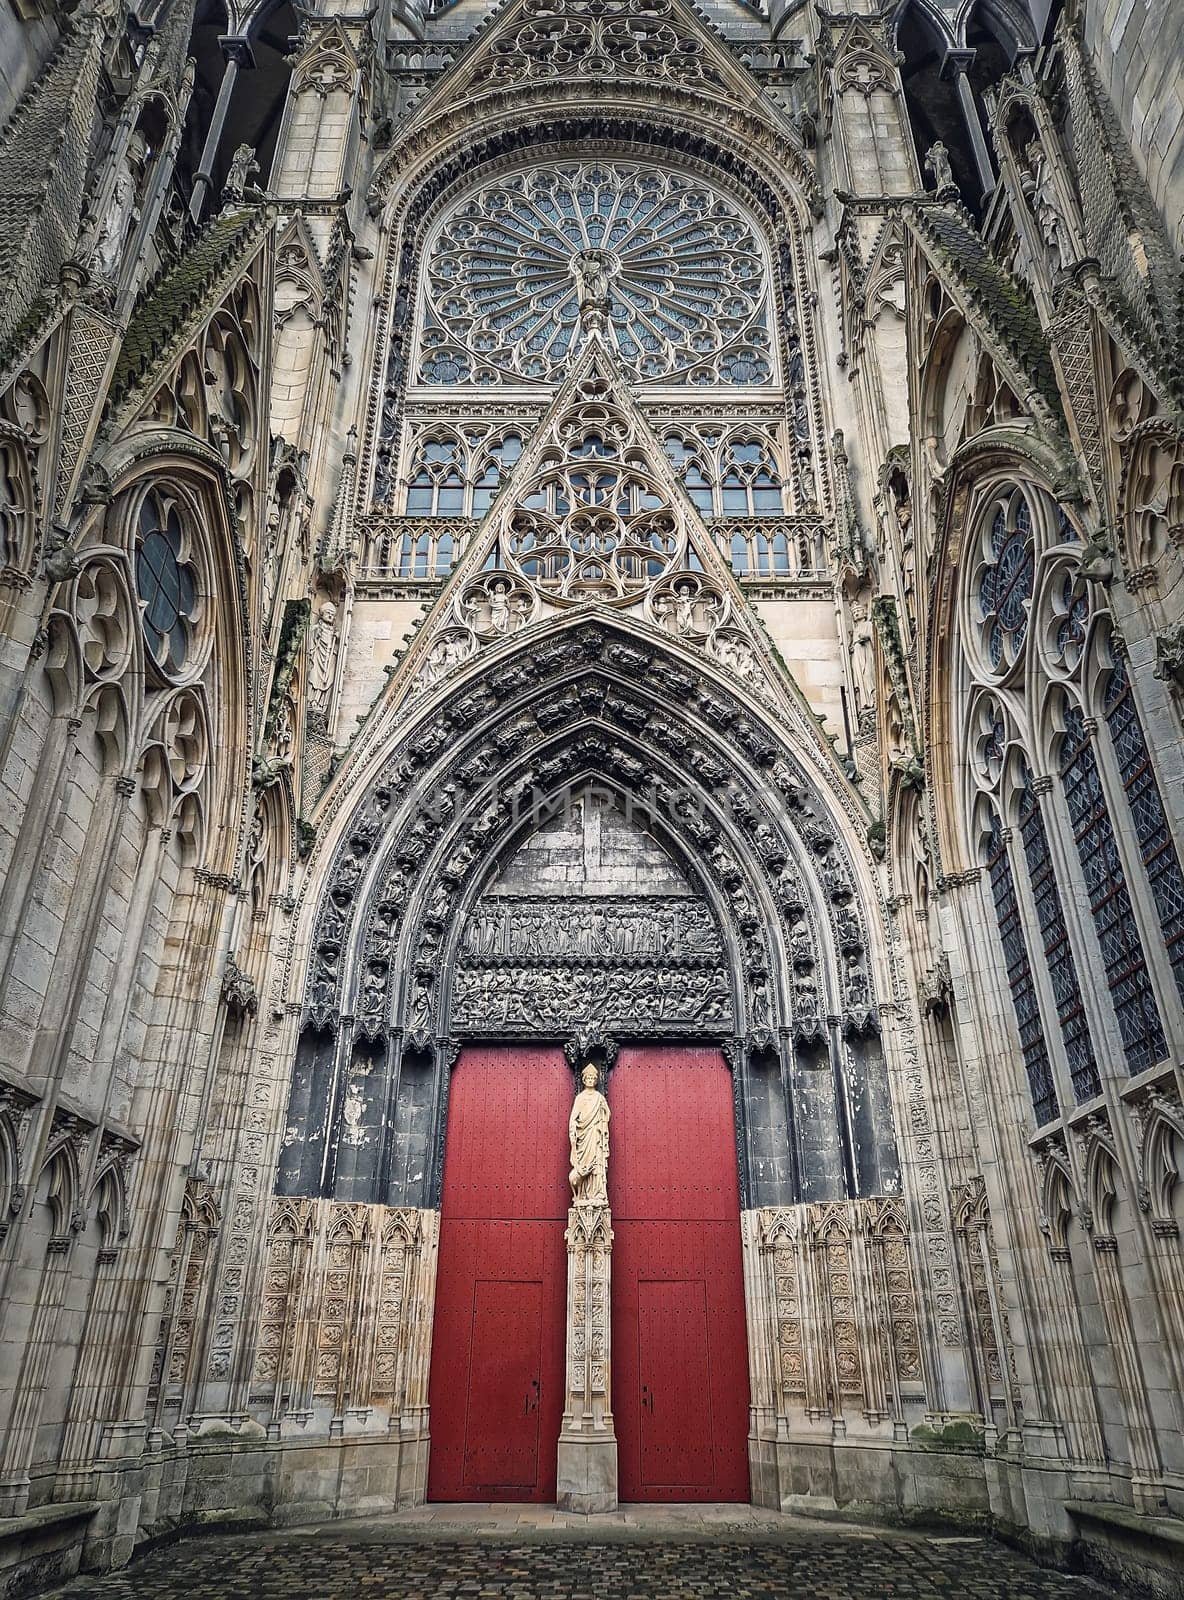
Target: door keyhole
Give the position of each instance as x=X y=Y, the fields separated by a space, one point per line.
x=647 y=1398
x=532 y=1398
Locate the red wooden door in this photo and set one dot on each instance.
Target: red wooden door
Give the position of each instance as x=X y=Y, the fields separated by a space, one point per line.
x=496 y=1388
x=680 y=1366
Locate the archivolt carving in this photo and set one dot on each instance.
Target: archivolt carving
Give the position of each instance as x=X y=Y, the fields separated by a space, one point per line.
x=607 y=716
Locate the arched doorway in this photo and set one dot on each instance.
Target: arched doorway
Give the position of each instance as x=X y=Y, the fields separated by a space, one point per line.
x=590 y=918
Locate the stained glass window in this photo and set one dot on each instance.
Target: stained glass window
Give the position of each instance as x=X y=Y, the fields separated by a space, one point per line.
x=1062 y=970
x=1147 y=814
x=1005 y=585
x=1109 y=900
x=1019 y=977
x=166 y=583
x=675 y=266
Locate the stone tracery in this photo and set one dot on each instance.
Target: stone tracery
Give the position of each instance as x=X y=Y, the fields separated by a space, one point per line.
x=674 y=266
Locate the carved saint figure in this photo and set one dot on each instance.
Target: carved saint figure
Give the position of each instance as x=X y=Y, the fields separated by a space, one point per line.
x=324 y=641
x=937 y=162
x=1040 y=193
x=499 y=607
x=863 y=660
x=588 y=1131
x=590 y=270
x=122 y=212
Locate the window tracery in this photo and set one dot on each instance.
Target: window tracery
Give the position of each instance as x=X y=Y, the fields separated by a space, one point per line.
x=1004 y=581
x=166 y=583
x=735 y=472
x=678 y=268
x=1109 y=898
x=1055 y=697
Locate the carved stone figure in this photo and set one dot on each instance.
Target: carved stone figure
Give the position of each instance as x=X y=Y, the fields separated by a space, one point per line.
x=937 y=164
x=243 y=167
x=588 y=1130
x=322 y=655
x=863 y=660
x=1040 y=193
x=591 y=271
x=122 y=211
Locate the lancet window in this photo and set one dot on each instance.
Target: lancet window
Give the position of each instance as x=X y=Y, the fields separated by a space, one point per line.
x=1062 y=969
x=1148 y=816
x=1109 y=898
x=1019 y=977
x=1058 y=749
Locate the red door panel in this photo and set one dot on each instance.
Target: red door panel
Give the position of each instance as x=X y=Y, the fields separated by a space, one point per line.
x=496 y=1388
x=502 y=1443
x=675 y=1375
x=680 y=1372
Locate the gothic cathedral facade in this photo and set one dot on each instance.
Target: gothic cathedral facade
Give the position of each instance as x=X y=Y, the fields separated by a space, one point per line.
x=642 y=535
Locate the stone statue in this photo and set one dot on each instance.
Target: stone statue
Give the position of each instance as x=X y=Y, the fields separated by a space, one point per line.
x=588 y=1131
x=590 y=270
x=320 y=667
x=243 y=167
x=122 y=211
x=937 y=162
x=1040 y=193
x=863 y=660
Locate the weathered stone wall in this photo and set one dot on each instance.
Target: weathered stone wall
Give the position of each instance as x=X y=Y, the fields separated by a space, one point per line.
x=957 y=1299
x=1136 y=47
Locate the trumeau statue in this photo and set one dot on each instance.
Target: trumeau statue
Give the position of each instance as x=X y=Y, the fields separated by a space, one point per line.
x=588 y=1131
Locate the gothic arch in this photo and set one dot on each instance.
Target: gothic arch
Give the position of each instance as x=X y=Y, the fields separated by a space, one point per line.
x=429 y=167
x=586 y=703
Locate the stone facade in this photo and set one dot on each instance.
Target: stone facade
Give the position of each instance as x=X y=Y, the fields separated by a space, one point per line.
x=628 y=521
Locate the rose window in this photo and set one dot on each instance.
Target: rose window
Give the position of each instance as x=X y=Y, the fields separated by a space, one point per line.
x=669 y=269
x=166 y=583
x=1005 y=581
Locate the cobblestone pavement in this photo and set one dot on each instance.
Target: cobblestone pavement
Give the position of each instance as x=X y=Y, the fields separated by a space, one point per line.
x=454 y=1556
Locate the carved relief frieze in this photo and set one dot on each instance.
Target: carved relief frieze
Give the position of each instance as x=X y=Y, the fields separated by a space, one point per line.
x=843 y=1318
x=336 y=1319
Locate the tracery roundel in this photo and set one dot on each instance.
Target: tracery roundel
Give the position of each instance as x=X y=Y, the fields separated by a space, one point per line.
x=167 y=582
x=675 y=263
x=1004 y=580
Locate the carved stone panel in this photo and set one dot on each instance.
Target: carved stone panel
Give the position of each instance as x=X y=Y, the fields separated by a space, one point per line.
x=591 y=922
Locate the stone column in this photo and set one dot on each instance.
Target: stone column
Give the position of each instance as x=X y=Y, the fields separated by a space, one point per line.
x=954 y=68
x=587 y=1467
x=238 y=54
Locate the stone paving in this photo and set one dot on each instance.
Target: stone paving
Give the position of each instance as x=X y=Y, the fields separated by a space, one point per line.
x=536 y=1553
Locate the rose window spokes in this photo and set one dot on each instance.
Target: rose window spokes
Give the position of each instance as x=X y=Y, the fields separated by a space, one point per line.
x=1005 y=581
x=670 y=270
x=167 y=584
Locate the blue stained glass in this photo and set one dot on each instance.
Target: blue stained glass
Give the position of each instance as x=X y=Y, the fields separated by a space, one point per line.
x=166 y=585
x=1019 y=978
x=1109 y=900
x=1062 y=969
x=1147 y=813
x=1005 y=587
